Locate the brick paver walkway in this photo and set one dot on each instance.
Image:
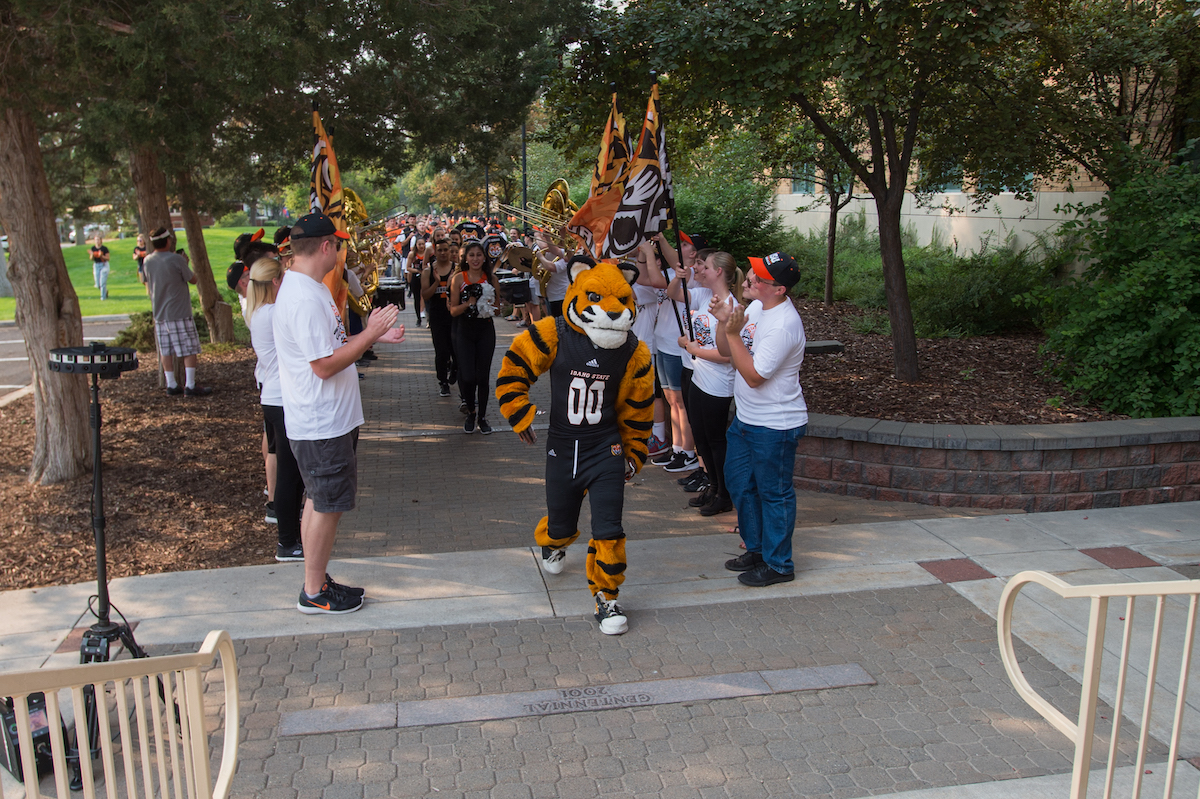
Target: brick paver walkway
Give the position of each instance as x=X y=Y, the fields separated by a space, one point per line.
x=425 y=486
x=941 y=714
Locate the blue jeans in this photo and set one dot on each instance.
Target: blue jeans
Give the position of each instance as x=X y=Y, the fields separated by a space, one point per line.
x=758 y=473
x=100 y=272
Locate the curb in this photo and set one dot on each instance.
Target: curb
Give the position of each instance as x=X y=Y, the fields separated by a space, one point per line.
x=117 y=317
x=20 y=393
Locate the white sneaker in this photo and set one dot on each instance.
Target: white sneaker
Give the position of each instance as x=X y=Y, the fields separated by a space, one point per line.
x=553 y=560
x=611 y=617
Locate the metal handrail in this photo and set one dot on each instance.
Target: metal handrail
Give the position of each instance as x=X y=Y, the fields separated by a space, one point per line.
x=173 y=726
x=1082 y=731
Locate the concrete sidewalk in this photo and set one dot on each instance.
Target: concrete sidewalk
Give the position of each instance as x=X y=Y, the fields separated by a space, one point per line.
x=492 y=585
x=459 y=609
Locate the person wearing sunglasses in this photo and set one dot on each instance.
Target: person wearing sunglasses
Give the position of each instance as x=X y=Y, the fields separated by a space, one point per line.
x=765 y=344
x=321 y=402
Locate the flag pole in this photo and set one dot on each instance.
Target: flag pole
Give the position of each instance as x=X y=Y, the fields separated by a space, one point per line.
x=687 y=303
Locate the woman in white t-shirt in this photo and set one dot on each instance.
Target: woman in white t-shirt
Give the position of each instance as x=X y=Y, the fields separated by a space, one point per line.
x=554 y=261
x=715 y=277
x=647 y=294
x=265 y=276
x=668 y=368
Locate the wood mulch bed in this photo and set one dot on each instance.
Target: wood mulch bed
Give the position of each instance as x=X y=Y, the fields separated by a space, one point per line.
x=987 y=380
x=183 y=477
x=183 y=481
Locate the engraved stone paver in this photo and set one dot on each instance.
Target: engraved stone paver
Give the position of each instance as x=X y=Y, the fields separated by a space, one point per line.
x=568 y=700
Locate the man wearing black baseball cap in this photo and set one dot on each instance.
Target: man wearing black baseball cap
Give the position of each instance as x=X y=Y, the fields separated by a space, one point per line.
x=321 y=401
x=765 y=344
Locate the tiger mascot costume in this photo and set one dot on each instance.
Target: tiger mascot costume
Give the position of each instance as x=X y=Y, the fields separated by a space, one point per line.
x=601 y=398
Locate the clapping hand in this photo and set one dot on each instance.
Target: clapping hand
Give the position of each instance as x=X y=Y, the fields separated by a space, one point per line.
x=379 y=323
x=720 y=310
x=394 y=335
x=736 y=321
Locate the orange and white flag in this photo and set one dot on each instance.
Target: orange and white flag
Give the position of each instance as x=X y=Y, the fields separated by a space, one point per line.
x=325 y=195
x=635 y=206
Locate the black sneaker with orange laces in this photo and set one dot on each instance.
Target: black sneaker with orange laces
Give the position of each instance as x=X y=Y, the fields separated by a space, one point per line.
x=329 y=600
x=346 y=589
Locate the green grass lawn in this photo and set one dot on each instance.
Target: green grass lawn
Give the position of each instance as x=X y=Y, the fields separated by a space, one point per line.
x=125 y=293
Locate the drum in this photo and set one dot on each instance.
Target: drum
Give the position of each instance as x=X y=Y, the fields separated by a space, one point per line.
x=390 y=291
x=515 y=290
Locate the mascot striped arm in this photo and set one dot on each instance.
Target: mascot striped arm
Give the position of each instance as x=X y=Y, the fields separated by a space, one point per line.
x=601 y=414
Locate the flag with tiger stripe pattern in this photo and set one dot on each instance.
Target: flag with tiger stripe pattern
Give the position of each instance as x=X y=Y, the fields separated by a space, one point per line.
x=325 y=195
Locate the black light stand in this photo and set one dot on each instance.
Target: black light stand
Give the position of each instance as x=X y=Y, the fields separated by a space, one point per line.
x=100 y=362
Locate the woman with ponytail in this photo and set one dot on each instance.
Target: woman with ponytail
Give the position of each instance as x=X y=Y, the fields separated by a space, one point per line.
x=265 y=276
x=714 y=277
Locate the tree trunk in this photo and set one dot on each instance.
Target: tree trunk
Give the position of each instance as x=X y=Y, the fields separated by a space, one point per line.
x=79 y=237
x=831 y=245
x=6 y=289
x=217 y=312
x=895 y=284
x=47 y=306
x=150 y=185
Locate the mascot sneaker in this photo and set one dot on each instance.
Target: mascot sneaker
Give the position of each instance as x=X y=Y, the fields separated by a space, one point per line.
x=611 y=617
x=553 y=560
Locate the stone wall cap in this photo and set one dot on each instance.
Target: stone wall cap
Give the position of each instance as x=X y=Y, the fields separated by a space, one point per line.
x=886 y=432
x=1015 y=437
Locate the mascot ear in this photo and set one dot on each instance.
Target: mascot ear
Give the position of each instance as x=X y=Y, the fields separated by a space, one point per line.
x=630 y=271
x=578 y=265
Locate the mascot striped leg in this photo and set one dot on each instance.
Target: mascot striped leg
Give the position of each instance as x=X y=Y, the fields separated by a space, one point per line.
x=542 y=535
x=606 y=566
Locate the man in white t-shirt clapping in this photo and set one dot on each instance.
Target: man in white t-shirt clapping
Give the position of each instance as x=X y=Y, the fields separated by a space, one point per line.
x=765 y=344
x=321 y=403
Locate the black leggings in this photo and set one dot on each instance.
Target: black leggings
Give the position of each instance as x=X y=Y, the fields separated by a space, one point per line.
x=474 y=346
x=414 y=290
x=709 y=417
x=289 y=486
x=440 y=325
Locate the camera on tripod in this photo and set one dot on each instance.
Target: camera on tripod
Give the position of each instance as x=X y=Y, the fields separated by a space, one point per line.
x=39 y=725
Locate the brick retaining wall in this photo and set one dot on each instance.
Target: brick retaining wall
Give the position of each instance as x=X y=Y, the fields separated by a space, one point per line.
x=1026 y=467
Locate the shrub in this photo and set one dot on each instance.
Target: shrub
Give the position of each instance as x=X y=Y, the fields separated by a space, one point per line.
x=138 y=334
x=1126 y=334
x=234 y=219
x=978 y=295
x=724 y=197
x=951 y=295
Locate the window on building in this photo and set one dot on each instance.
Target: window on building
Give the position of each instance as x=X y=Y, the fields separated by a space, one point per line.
x=1028 y=180
x=805 y=181
x=950 y=185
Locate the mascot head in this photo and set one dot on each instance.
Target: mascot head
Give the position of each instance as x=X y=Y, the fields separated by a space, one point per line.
x=600 y=302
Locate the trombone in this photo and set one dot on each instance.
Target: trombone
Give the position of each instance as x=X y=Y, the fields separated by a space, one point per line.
x=555 y=211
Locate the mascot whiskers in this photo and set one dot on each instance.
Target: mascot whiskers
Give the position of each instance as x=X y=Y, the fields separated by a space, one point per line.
x=601 y=397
